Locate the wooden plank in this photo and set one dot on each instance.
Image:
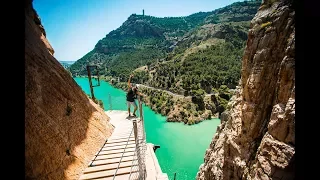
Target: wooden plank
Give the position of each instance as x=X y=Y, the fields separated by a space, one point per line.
x=123 y=132
x=118 y=147
x=113 y=137
x=117 y=151
x=110 y=141
x=114 y=160
x=134 y=176
x=108 y=167
x=110 y=156
x=119 y=144
x=104 y=174
x=124 y=129
x=124 y=126
x=121 y=137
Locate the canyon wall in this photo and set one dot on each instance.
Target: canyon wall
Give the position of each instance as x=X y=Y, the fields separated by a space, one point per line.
x=63 y=127
x=256 y=138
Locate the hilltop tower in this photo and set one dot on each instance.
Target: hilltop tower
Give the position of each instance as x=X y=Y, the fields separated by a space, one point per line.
x=142 y=12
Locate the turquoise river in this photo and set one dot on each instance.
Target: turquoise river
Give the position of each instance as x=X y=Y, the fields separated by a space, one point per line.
x=182 y=147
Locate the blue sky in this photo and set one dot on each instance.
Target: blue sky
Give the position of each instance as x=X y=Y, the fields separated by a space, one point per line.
x=73 y=27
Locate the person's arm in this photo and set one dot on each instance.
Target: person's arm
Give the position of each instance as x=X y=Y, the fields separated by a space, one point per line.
x=129 y=85
x=140 y=94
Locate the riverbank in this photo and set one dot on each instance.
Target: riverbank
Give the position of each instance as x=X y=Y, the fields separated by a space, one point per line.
x=179 y=108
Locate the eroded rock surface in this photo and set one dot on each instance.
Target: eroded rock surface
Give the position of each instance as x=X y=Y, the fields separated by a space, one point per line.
x=63 y=127
x=256 y=139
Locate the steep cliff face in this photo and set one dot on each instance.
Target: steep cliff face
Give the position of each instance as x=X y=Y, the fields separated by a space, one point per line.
x=63 y=128
x=256 y=139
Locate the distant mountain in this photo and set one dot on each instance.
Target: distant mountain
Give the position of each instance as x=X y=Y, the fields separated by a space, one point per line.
x=139 y=41
x=66 y=64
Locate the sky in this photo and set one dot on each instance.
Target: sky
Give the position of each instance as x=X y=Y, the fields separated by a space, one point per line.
x=73 y=27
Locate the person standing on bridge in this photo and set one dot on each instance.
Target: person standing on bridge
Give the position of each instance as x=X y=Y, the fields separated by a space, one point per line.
x=132 y=95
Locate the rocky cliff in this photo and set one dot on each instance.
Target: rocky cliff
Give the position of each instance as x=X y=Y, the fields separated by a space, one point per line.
x=63 y=128
x=256 y=138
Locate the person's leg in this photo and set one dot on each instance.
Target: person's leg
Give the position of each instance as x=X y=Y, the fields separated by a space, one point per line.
x=128 y=104
x=135 y=107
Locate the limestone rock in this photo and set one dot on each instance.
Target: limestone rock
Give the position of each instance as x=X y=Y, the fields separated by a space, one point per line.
x=256 y=139
x=63 y=127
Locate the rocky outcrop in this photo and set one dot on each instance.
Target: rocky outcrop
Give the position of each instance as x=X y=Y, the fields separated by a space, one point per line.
x=256 y=139
x=63 y=127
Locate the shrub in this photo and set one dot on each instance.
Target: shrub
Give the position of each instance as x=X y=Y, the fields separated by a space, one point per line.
x=214 y=90
x=265 y=24
x=99 y=102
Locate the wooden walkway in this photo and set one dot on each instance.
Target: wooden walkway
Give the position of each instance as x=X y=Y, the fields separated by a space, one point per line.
x=117 y=156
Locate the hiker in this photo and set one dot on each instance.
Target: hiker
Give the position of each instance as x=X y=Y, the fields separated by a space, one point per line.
x=132 y=95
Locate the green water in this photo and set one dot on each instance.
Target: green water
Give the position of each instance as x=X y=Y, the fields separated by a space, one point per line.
x=182 y=147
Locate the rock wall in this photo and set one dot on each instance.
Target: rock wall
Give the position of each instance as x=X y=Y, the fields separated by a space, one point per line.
x=63 y=127
x=256 y=138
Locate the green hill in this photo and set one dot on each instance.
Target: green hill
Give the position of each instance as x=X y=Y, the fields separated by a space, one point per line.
x=146 y=40
x=208 y=56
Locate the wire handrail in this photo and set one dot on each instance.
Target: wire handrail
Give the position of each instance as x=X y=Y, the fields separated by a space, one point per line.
x=96 y=155
x=132 y=164
x=138 y=164
x=115 y=173
x=110 y=104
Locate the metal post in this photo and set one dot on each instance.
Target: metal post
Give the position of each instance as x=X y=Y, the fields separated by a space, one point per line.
x=110 y=102
x=141 y=117
x=140 y=108
x=98 y=76
x=143 y=134
x=91 y=88
x=137 y=147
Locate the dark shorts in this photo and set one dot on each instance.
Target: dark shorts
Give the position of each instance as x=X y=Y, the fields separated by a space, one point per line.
x=133 y=103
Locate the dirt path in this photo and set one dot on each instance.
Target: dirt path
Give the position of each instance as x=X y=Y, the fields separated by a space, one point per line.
x=169 y=92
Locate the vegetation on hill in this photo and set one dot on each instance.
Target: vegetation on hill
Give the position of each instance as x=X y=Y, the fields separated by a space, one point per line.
x=189 y=110
x=143 y=40
x=192 y=55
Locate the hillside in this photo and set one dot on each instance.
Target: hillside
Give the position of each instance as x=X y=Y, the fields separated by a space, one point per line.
x=66 y=64
x=144 y=40
x=190 y=56
x=208 y=56
x=139 y=41
x=63 y=127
